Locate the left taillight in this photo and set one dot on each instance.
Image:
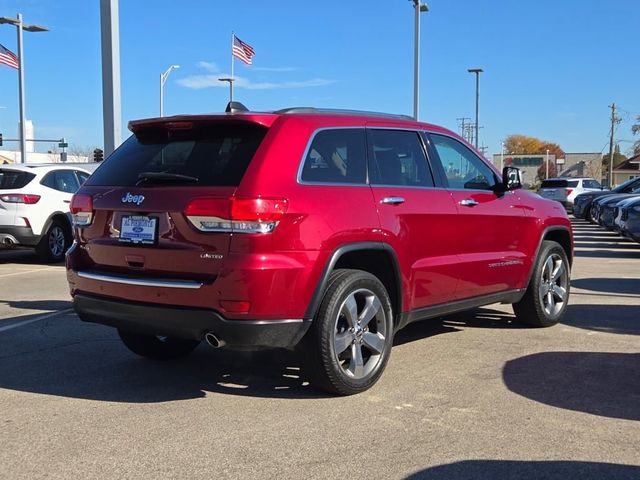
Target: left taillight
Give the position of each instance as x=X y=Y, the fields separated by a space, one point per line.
x=20 y=198
x=237 y=215
x=82 y=209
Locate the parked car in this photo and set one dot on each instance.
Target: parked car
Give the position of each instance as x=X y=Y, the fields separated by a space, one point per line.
x=630 y=220
x=582 y=203
x=566 y=189
x=34 y=206
x=606 y=208
x=621 y=212
x=321 y=230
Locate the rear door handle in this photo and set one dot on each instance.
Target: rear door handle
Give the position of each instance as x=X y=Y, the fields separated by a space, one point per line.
x=392 y=200
x=468 y=202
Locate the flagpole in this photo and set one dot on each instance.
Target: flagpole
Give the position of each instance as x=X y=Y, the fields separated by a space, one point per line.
x=23 y=126
x=232 y=62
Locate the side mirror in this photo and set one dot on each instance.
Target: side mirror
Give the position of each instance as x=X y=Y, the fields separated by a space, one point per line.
x=511 y=179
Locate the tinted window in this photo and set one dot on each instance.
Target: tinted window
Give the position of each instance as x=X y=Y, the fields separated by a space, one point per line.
x=590 y=184
x=553 y=184
x=398 y=158
x=336 y=156
x=61 y=180
x=463 y=168
x=213 y=155
x=14 y=178
x=82 y=176
x=572 y=183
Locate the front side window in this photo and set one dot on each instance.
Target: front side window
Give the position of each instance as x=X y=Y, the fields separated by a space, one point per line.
x=398 y=158
x=463 y=169
x=336 y=156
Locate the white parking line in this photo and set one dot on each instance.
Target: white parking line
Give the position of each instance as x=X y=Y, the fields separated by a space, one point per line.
x=37 y=319
x=26 y=271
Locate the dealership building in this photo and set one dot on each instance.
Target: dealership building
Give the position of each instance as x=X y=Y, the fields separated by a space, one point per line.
x=572 y=165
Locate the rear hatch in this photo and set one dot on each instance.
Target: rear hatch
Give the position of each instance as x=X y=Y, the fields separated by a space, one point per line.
x=557 y=189
x=11 y=183
x=151 y=209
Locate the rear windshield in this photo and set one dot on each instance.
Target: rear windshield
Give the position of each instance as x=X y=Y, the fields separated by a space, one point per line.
x=553 y=184
x=572 y=183
x=208 y=155
x=11 y=179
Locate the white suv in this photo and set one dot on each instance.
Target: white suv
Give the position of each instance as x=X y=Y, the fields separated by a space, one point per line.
x=34 y=206
x=566 y=189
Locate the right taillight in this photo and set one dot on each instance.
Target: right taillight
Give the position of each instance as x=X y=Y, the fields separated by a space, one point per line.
x=238 y=215
x=82 y=209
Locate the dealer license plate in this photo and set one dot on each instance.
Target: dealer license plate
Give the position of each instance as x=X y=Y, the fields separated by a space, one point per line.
x=139 y=229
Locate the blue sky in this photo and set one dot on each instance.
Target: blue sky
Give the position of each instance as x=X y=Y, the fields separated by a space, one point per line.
x=551 y=67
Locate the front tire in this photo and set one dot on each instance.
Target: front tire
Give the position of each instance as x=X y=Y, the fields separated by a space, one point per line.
x=352 y=333
x=54 y=243
x=157 y=347
x=547 y=295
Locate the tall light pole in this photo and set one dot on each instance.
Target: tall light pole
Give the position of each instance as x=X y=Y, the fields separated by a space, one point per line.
x=419 y=7
x=477 y=71
x=546 y=161
x=20 y=26
x=501 y=156
x=163 y=80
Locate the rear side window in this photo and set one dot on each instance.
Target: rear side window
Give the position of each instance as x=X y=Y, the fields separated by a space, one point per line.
x=553 y=184
x=398 y=159
x=336 y=156
x=10 y=179
x=61 y=180
x=572 y=183
x=207 y=155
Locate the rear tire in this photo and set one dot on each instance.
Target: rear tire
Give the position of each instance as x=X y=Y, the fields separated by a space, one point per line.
x=547 y=295
x=157 y=347
x=54 y=243
x=352 y=333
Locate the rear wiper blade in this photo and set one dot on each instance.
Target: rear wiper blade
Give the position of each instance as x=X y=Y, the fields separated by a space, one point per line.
x=164 y=177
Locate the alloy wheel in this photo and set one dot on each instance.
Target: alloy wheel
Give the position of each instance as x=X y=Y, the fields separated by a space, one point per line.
x=360 y=334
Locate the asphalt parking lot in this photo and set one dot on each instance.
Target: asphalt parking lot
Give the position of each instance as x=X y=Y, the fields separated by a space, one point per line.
x=467 y=396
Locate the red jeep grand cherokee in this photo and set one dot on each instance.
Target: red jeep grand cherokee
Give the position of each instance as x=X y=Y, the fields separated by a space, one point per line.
x=324 y=230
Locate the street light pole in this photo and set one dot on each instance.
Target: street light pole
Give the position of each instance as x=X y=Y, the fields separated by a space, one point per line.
x=20 y=26
x=501 y=156
x=546 y=161
x=477 y=71
x=163 y=80
x=419 y=7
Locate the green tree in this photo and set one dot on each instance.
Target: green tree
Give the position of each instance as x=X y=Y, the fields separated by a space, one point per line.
x=618 y=158
x=635 y=129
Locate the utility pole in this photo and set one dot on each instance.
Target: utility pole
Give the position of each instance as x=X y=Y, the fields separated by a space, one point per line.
x=614 y=120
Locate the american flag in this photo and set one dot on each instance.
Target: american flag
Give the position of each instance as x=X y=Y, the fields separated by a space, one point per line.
x=243 y=51
x=8 y=58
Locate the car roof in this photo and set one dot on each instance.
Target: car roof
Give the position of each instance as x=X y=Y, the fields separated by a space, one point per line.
x=312 y=114
x=46 y=167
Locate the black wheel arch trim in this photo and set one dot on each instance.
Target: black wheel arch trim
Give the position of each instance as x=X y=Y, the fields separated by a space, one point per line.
x=318 y=294
x=542 y=239
x=51 y=219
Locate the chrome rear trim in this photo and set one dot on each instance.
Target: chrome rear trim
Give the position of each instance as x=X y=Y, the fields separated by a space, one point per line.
x=143 y=282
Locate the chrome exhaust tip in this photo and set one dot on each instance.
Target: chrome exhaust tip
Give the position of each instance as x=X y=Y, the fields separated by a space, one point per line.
x=214 y=341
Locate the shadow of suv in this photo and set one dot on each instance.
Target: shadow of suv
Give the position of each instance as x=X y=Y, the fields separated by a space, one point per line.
x=322 y=230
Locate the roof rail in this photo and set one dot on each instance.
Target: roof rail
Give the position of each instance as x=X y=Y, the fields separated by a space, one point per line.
x=337 y=111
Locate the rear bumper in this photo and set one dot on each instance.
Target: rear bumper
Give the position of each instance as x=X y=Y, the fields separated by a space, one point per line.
x=192 y=323
x=19 y=234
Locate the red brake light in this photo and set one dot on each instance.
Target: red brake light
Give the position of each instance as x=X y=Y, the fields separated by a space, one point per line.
x=20 y=198
x=82 y=209
x=241 y=215
x=568 y=191
x=259 y=209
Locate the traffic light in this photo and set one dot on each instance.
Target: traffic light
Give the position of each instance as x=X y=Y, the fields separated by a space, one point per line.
x=0 y=139
x=98 y=155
